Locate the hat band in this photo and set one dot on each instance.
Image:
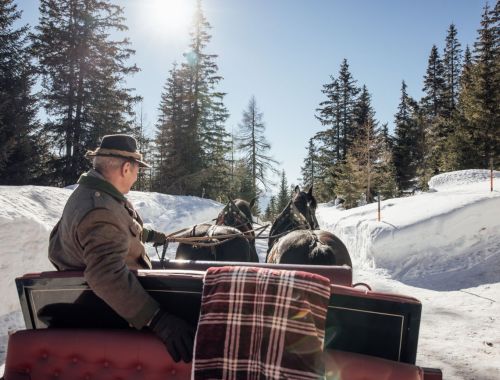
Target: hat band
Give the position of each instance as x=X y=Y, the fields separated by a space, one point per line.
x=114 y=152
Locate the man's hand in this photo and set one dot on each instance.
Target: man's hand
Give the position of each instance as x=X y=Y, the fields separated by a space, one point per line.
x=175 y=333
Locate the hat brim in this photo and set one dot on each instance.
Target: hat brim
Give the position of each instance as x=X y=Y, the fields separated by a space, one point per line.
x=92 y=154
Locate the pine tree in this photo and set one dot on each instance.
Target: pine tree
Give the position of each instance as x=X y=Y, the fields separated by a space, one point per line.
x=337 y=114
x=144 y=145
x=385 y=170
x=283 y=193
x=254 y=146
x=205 y=112
x=329 y=116
x=452 y=61
x=481 y=104
x=348 y=92
x=309 y=170
x=365 y=146
x=406 y=144
x=171 y=136
x=82 y=75
x=434 y=86
x=348 y=186
x=23 y=150
x=244 y=183
x=271 y=213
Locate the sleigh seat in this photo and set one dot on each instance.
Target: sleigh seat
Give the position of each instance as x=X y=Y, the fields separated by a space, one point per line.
x=70 y=354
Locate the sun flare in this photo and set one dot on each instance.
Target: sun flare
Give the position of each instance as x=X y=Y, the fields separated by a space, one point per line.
x=167 y=18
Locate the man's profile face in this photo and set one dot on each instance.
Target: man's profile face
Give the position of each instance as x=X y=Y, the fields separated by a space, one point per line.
x=130 y=171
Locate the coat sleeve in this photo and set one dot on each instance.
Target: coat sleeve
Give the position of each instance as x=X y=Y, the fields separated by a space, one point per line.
x=105 y=243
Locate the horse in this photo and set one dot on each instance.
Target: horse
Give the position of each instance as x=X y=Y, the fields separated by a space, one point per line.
x=295 y=237
x=236 y=220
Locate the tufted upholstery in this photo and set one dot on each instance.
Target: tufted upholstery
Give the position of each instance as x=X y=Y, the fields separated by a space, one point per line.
x=60 y=354
x=69 y=354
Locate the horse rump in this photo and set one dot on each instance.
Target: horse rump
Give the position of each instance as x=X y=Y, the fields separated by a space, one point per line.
x=310 y=248
x=236 y=248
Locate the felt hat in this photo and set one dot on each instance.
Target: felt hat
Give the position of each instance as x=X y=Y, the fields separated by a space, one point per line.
x=120 y=145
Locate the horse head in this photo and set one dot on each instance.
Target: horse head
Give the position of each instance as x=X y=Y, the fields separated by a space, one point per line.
x=238 y=214
x=305 y=204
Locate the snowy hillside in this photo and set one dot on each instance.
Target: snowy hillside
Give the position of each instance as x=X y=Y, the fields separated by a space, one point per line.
x=442 y=247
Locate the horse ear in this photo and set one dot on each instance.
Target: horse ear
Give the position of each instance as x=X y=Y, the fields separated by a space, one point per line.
x=252 y=202
x=310 y=192
x=297 y=189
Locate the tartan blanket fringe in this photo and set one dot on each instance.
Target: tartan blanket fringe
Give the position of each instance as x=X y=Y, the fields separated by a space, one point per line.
x=261 y=323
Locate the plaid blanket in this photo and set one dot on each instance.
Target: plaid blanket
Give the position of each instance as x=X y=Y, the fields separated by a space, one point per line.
x=259 y=323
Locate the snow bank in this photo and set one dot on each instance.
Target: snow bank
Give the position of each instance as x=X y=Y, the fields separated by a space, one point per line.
x=463 y=178
x=447 y=239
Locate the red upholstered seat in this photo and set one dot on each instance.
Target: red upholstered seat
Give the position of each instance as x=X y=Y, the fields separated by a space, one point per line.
x=90 y=354
x=69 y=354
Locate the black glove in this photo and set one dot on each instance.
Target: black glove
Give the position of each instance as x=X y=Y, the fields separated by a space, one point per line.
x=158 y=238
x=177 y=335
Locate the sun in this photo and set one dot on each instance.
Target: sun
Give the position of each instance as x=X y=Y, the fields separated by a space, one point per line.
x=166 y=18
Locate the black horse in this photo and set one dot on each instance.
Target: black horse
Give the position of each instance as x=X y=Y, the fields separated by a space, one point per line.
x=296 y=239
x=235 y=220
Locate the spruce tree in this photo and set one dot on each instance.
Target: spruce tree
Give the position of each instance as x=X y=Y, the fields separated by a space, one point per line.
x=349 y=185
x=347 y=92
x=254 y=147
x=328 y=114
x=406 y=144
x=461 y=141
x=434 y=86
x=145 y=146
x=385 y=178
x=337 y=114
x=23 y=150
x=271 y=213
x=365 y=145
x=481 y=107
x=283 y=193
x=478 y=119
x=309 y=170
x=205 y=113
x=82 y=74
x=452 y=61
x=171 y=136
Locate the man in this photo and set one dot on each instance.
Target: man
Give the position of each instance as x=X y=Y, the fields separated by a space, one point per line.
x=101 y=234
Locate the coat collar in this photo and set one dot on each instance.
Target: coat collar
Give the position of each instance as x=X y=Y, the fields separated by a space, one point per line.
x=95 y=180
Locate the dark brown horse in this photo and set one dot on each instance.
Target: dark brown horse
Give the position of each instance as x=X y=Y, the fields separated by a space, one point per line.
x=295 y=238
x=235 y=220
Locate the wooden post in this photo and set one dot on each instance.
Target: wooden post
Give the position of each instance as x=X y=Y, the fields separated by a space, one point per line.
x=378 y=197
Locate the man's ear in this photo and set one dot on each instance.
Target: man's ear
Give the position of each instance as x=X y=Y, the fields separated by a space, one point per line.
x=126 y=166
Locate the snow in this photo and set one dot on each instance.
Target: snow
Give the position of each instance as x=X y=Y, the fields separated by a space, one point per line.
x=442 y=247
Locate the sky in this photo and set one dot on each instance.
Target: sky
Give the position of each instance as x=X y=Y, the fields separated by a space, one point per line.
x=441 y=247
x=284 y=51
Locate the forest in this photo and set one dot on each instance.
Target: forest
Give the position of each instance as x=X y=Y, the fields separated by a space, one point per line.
x=62 y=89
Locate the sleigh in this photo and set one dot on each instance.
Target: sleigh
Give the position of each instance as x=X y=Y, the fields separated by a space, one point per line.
x=72 y=334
